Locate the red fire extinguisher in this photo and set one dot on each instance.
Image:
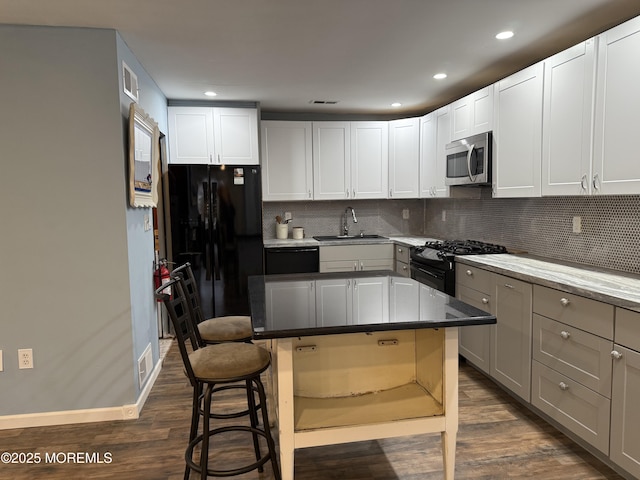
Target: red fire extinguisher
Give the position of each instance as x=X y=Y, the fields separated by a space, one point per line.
x=161 y=276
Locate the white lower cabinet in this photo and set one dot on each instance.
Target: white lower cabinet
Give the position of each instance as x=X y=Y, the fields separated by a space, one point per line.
x=346 y=258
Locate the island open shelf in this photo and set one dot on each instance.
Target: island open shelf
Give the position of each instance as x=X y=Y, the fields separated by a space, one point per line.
x=352 y=387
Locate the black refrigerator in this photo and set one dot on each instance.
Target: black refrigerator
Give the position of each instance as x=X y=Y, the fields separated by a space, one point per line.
x=216 y=224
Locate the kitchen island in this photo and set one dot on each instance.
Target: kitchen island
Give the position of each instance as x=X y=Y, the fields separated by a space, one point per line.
x=360 y=356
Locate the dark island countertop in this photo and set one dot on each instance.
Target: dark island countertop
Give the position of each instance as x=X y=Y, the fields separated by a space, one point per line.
x=310 y=304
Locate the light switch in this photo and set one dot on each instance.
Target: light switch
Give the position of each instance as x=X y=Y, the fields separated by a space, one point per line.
x=577 y=224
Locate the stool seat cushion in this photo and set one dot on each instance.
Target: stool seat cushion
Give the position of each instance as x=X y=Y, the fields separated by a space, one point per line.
x=227 y=361
x=226 y=329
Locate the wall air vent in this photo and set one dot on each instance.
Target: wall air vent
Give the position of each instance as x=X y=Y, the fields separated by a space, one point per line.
x=145 y=365
x=129 y=82
x=323 y=102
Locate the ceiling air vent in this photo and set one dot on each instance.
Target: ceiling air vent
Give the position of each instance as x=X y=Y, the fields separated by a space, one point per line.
x=129 y=82
x=323 y=102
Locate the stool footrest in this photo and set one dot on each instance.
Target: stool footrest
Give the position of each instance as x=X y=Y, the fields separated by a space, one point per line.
x=235 y=471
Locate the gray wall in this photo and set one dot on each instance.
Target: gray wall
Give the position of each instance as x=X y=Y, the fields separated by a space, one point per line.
x=66 y=227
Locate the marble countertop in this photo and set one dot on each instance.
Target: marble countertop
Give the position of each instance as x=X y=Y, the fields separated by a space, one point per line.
x=409 y=241
x=616 y=288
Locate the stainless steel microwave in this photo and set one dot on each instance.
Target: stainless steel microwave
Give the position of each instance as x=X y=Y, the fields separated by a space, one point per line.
x=468 y=161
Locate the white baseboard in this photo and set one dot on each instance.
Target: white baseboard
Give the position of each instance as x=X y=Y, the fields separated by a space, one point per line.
x=124 y=412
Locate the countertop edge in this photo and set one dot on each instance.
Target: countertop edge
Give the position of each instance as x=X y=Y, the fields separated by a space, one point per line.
x=408 y=241
x=545 y=278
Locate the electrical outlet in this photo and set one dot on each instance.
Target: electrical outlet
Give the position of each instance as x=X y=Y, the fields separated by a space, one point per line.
x=25 y=358
x=577 y=224
x=287 y=215
x=444 y=215
x=405 y=214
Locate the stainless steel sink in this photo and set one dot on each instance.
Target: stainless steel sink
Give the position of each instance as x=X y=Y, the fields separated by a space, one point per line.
x=329 y=238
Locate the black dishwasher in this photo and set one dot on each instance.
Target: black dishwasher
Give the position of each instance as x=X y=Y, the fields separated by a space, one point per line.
x=291 y=260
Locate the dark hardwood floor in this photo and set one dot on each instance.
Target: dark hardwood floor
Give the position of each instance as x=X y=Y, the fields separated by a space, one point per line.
x=497 y=439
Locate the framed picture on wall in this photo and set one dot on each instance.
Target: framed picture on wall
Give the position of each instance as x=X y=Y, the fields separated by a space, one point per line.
x=144 y=158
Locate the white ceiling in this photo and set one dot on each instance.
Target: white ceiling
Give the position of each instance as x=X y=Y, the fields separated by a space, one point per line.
x=365 y=54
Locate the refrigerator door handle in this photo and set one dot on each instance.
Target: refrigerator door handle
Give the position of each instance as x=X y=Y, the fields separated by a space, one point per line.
x=215 y=232
x=207 y=230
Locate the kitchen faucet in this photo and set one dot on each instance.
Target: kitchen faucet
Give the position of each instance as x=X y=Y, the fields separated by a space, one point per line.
x=345 y=225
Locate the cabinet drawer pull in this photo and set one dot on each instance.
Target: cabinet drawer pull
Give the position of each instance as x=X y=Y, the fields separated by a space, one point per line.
x=509 y=285
x=564 y=301
x=404 y=267
x=563 y=386
x=469 y=273
x=565 y=334
x=306 y=348
x=617 y=355
x=399 y=250
x=485 y=300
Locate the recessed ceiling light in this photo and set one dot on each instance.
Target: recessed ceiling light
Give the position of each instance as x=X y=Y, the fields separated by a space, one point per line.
x=504 y=35
x=440 y=76
x=396 y=104
x=210 y=93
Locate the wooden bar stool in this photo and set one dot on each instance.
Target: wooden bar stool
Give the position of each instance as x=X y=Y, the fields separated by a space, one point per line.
x=209 y=366
x=231 y=328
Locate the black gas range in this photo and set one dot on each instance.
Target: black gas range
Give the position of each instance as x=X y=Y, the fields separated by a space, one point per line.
x=433 y=262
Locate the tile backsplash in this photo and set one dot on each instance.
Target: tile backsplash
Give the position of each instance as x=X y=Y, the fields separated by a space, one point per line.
x=382 y=217
x=610 y=235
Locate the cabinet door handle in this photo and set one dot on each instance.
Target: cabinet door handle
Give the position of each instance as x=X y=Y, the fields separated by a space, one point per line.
x=563 y=386
x=564 y=334
x=469 y=273
x=355 y=265
x=309 y=193
x=596 y=182
x=353 y=193
x=616 y=354
x=564 y=301
x=361 y=265
x=583 y=183
x=390 y=193
x=210 y=158
x=399 y=250
x=347 y=193
x=485 y=300
x=404 y=267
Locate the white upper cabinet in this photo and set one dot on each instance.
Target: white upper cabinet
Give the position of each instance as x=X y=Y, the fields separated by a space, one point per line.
x=331 y=160
x=350 y=160
x=213 y=136
x=616 y=169
x=190 y=135
x=235 y=134
x=567 y=120
x=404 y=158
x=472 y=114
x=435 y=133
x=369 y=159
x=517 y=153
x=287 y=171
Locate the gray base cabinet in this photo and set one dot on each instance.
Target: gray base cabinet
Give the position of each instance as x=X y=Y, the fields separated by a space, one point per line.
x=574 y=359
x=511 y=351
x=625 y=393
x=346 y=258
